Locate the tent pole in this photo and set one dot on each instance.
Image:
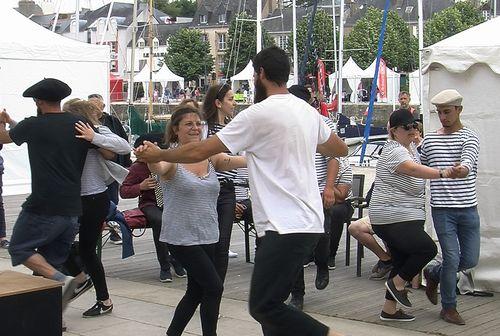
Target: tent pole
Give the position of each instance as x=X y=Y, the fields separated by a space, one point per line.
x=150 y=39
x=335 y=63
x=295 y=54
x=77 y=19
x=420 y=50
x=132 y=55
x=107 y=22
x=341 y=54
x=374 y=82
x=259 y=25
x=57 y=16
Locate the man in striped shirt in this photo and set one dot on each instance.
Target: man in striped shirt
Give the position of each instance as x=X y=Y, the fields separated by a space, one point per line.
x=453 y=201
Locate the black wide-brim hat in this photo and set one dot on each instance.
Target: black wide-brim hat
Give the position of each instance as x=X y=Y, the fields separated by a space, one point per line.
x=49 y=89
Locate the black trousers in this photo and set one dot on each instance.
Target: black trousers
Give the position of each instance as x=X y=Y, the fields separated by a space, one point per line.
x=410 y=246
x=338 y=214
x=95 y=209
x=277 y=263
x=204 y=288
x=153 y=215
x=225 y=211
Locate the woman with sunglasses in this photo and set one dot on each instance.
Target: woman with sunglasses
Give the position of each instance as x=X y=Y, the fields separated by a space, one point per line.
x=397 y=211
x=218 y=109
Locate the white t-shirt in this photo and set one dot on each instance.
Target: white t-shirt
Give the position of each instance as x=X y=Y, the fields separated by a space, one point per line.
x=280 y=136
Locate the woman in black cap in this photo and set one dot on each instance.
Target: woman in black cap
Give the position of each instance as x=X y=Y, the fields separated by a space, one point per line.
x=397 y=210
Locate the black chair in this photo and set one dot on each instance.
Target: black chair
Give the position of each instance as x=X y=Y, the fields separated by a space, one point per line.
x=246 y=223
x=358 y=202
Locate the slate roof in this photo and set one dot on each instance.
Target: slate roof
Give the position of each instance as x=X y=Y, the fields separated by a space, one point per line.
x=212 y=8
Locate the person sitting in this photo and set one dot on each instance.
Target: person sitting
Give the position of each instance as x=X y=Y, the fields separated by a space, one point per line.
x=140 y=183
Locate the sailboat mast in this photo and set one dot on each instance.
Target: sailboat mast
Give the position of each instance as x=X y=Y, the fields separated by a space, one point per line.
x=295 y=54
x=132 y=54
x=259 y=25
x=150 y=40
x=335 y=63
x=77 y=19
x=341 y=54
x=420 y=50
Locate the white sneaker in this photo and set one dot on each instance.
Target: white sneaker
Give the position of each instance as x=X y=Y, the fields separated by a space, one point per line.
x=232 y=254
x=70 y=284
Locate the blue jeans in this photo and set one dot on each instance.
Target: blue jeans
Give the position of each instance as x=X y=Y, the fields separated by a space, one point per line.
x=458 y=234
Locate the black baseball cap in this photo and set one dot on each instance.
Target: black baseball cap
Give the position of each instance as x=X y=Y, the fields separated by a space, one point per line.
x=401 y=117
x=49 y=89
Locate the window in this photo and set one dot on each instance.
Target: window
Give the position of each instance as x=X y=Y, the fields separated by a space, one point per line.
x=141 y=43
x=222 y=18
x=204 y=38
x=156 y=43
x=282 y=41
x=221 y=41
x=486 y=14
x=203 y=18
x=220 y=62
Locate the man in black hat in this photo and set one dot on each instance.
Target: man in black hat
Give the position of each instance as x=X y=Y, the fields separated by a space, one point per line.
x=48 y=221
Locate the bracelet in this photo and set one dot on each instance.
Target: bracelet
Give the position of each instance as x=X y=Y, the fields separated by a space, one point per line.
x=441 y=173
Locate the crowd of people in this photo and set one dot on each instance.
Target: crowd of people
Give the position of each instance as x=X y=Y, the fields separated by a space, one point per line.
x=300 y=185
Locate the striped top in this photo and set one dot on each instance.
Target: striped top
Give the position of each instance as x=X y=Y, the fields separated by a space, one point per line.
x=396 y=197
x=344 y=175
x=321 y=162
x=444 y=150
x=242 y=193
x=229 y=174
x=190 y=210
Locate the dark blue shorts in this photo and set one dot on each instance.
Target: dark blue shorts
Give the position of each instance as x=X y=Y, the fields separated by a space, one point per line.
x=51 y=236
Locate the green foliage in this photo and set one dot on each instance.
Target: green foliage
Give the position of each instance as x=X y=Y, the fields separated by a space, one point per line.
x=450 y=21
x=322 y=41
x=400 y=46
x=185 y=8
x=188 y=56
x=242 y=44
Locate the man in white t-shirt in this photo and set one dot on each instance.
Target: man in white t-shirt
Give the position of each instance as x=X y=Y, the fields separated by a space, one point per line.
x=280 y=135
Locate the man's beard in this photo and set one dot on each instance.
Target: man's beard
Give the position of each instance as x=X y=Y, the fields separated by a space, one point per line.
x=38 y=111
x=260 y=92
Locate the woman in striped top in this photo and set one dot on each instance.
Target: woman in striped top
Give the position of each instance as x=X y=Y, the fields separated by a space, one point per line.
x=397 y=211
x=218 y=109
x=189 y=224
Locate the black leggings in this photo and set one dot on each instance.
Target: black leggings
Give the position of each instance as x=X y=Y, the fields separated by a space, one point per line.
x=95 y=209
x=153 y=215
x=204 y=288
x=225 y=211
x=410 y=246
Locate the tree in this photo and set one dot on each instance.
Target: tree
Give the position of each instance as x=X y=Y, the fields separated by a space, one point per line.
x=242 y=44
x=185 y=8
x=400 y=47
x=451 y=21
x=322 y=41
x=188 y=55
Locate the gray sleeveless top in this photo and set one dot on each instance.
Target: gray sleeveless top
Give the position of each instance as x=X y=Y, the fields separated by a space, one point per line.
x=190 y=208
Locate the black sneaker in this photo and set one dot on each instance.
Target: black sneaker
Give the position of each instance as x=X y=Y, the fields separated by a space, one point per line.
x=297 y=302
x=401 y=296
x=179 y=271
x=398 y=316
x=165 y=276
x=98 y=309
x=115 y=238
x=331 y=263
x=82 y=288
x=381 y=270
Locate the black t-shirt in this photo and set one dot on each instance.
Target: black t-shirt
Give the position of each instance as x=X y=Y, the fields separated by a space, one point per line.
x=56 y=159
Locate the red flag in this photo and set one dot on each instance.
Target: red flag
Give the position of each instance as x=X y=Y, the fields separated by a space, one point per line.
x=321 y=77
x=382 y=79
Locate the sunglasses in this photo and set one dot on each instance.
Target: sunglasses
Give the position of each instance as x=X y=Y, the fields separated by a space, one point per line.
x=408 y=127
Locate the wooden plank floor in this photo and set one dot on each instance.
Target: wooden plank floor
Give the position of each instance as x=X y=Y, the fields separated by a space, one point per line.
x=347 y=296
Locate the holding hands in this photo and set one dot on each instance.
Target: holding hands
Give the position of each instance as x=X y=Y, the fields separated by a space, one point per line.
x=457 y=171
x=148 y=152
x=6 y=119
x=148 y=184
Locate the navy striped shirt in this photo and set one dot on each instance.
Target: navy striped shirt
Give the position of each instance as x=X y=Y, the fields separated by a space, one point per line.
x=321 y=162
x=444 y=150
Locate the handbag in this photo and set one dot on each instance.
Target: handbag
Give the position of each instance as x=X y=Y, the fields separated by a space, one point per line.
x=135 y=219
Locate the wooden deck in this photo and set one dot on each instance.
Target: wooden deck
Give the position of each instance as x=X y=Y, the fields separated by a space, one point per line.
x=347 y=296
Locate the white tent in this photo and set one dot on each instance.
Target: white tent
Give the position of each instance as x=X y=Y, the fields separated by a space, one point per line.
x=469 y=62
x=414 y=87
x=393 y=86
x=353 y=74
x=244 y=75
x=28 y=53
x=164 y=76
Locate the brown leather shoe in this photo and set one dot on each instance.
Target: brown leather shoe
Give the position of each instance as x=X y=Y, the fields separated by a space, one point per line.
x=431 y=288
x=451 y=315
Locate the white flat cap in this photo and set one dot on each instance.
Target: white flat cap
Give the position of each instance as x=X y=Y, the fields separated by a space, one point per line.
x=448 y=97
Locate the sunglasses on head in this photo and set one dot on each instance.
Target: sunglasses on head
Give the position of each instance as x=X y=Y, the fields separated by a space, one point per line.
x=220 y=89
x=413 y=125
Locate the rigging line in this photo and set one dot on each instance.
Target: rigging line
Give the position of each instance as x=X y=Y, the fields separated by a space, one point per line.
x=234 y=39
x=239 y=41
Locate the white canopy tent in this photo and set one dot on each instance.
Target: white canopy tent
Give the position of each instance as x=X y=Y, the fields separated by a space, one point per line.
x=245 y=75
x=353 y=74
x=164 y=76
x=469 y=63
x=28 y=53
x=393 y=86
x=414 y=87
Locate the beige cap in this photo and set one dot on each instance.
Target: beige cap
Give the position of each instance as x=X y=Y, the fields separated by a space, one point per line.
x=448 y=97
